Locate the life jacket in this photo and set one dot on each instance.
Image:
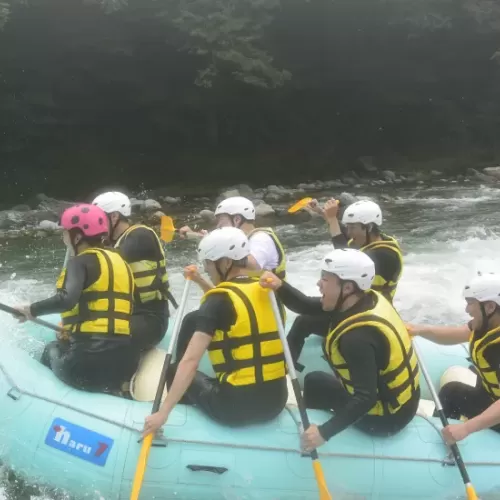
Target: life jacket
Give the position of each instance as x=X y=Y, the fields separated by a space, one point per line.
x=251 y=351
x=488 y=374
x=280 y=269
x=150 y=276
x=380 y=284
x=399 y=380
x=105 y=307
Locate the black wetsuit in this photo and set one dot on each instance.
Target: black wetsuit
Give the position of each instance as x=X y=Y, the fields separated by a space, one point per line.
x=365 y=351
x=224 y=403
x=459 y=399
x=85 y=363
x=387 y=265
x=149 y=320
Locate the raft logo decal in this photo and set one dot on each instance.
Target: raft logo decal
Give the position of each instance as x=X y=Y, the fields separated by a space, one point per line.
x=79 y=441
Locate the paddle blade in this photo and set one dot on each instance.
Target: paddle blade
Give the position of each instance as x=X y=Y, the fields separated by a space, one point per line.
x=471 y=492
x=299 y=205
x=141 y=467
x=167 y=229
x=324 y=494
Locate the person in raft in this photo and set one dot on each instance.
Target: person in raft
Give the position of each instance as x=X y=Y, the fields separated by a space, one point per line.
x=479 y=404
x=375 y=385
x=362 y=221
x=266 y=250
x=237 y=327
x=143 y=251
x=95 y=298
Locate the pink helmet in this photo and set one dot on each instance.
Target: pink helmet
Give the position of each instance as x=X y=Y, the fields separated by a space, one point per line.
x=90 y=219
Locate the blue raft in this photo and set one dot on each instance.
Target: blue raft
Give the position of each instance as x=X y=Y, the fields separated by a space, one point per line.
x=437 y=358
x=87 y=445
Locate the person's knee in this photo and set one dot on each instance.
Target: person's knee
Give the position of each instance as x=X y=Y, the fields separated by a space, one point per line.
x=50 y=354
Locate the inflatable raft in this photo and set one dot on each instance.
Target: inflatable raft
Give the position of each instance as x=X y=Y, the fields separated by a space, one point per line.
x=87 y=444
x=437 y=358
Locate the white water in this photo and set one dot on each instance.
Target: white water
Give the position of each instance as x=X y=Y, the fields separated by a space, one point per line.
x=447 y=232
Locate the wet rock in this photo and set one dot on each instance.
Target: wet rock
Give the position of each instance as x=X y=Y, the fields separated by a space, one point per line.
x=264 y=210
x=155 y=217
x=349 y=180
x=171 y=200
x=492 y=171
x=137 y=205
x=278 y=193
x=48 y=204
x=475 y=174
x=49 y=226
x=436 y=173
x=335 y=183
x=389 y=175
x=346 y=199
x=207 y=216
x=150 y=205
x=385 y=197
x=21 y=208
x=229 y=193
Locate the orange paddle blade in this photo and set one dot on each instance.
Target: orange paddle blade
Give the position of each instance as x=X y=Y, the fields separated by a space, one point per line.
x=167 y=229
x=324 y=494
x=141 y=467
x=299 y=205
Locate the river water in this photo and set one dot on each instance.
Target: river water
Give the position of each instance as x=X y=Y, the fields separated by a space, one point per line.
x=446 y=231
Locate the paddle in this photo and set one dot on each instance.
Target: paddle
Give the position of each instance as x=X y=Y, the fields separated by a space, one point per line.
x=167 y=230
x=148 y=440
x=41 y=322
x=299 y=205
x=324 y=494
x=469 y=488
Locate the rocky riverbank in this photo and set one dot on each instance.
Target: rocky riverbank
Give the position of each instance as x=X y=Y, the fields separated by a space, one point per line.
x=40 y=219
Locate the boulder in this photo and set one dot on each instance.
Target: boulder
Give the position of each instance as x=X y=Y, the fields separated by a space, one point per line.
x=21 y=208
x=48 y=204
x=492 y=171
x=389 y=175
x=150 y=205
x=170 y=200
x=49 y=226
x=264 y=210
x=475 y=174
x=207 y=215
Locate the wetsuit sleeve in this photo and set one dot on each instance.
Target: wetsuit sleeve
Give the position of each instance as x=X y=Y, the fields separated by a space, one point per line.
x=492 y=356
x=359 y=349
x=140 y=244
x=297 y=302
x=387 y=264
x=81 y=272
x=340 y=240
x=216 y=313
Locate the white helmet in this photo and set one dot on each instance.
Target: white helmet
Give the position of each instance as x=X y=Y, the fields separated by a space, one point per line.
x=484 y=287
x=114 y=201
x=229 y=242
x=236 y=205
x=364 y=212
x=350 y=265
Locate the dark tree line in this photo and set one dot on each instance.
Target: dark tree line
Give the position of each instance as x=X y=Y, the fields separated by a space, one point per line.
x=169 y=92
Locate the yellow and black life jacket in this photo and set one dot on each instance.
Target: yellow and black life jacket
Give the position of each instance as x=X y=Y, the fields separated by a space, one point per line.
x=488 y=374
x=251 y=351
x=380 y=284
x=150 y=276
x=398 y=381
x=280 y=269
x=105 y=307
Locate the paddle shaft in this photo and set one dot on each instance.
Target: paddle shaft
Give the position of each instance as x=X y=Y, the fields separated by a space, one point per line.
x=41 y=322
x=291 y=369
x=454 y=448
x=171 y=345
x=142 y=461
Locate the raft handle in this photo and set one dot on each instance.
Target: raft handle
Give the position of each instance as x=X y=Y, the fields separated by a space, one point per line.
x=14 y=393
x=207 y=468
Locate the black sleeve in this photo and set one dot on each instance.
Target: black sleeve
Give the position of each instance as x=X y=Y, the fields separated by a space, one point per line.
x=386 y=262
x=340 y=240
x=82 y=271
x=492 y=356
x=359 y=349
x=297 y=302
x=140 y=244
x=216 y=313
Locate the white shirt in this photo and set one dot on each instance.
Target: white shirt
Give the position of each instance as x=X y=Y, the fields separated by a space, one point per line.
x=263 y=250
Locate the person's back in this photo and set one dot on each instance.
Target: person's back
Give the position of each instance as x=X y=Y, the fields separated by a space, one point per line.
x=95 y=299
x=142 y=250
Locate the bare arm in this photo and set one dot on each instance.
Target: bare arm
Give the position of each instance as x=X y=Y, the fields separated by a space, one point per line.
x=186 y=371
x=444 y=335
x=489 y=418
